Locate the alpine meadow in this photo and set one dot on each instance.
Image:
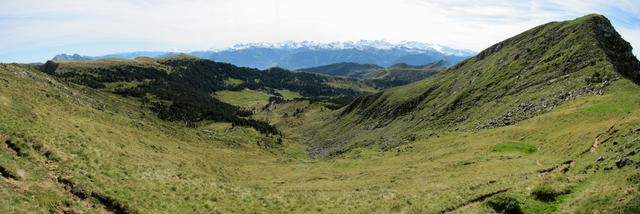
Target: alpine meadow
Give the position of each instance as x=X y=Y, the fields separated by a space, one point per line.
x=546 y=121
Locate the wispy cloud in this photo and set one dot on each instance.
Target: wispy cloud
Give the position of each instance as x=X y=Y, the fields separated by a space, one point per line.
x=34 y=30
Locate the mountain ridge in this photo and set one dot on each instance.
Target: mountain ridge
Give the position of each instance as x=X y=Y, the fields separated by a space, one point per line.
x=296 y=55
x=394 y=75
x=341 y=69
x=546 y=66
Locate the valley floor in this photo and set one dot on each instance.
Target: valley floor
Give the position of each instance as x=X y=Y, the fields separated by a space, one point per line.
x=73 y=149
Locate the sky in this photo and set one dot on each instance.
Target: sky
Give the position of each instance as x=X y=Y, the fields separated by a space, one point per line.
x=37 y=30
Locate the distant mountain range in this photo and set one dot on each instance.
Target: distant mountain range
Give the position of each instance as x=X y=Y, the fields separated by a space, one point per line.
x=297 y=55
x=128 y=55
x=350 y=69
x=399 y=74
x=395 y=75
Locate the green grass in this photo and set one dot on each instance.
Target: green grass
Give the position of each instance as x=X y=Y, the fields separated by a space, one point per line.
x=617 y=106
x=349 y=85
x=288 y=95
x=246 y=98
x=521 y=147
x=232 y=82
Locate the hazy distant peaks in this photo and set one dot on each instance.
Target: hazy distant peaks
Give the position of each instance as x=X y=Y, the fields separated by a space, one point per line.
x=66 y=57
x=414 y=46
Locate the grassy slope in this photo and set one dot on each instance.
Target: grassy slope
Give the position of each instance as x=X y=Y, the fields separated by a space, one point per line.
x=516 y=79
x=246 y=98
x=147 y=165
x=252 y=99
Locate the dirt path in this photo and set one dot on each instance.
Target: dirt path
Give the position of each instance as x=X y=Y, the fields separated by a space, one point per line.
x=597 y=142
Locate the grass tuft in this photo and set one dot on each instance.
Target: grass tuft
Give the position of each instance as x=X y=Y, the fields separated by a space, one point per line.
x=521 y=147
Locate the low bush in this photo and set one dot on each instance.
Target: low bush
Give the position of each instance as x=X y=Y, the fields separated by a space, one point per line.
x=504 y=203
x=546 y=192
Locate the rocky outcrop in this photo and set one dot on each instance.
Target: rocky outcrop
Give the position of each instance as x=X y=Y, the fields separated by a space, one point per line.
x=618 y=51
x=531 y=109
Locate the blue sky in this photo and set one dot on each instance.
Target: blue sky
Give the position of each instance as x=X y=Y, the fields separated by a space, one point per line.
x=36 y=30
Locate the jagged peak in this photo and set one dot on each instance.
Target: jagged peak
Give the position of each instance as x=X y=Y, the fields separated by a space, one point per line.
x=67 y=57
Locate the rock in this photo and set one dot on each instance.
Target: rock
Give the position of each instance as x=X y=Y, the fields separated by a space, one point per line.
x=600 y=158
x=521 y=138
x=621 y=149
x=209 y=131
x=608 y=168
x=637 y=130
x=623 y=162
x=630 y=153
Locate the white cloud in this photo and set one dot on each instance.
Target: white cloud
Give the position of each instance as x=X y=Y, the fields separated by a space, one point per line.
x=200 y=24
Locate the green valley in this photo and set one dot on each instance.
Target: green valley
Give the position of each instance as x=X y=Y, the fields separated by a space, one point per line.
x=547 y=121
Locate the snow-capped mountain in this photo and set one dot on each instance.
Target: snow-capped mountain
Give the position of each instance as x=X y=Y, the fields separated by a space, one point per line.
x=418 y=47
x=306 y=54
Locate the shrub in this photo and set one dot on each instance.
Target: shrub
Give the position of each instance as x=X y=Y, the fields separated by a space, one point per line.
x=546 y=192
x=596 y=77
x=504 y=203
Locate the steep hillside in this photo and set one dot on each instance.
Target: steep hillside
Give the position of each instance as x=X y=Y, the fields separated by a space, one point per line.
x=511 y=81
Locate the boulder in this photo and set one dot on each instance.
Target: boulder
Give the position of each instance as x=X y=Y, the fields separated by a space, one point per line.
x=630 y=153
x=623 y=162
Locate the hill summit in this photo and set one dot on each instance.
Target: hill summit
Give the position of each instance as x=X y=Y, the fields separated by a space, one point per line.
x=513 y=80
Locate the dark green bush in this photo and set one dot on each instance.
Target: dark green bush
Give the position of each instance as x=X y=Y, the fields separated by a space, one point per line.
x=504 y=203
x=595 y=77
x=546 y=192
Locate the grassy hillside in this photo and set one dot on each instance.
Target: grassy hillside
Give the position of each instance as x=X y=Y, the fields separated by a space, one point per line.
x=514 y=80
x=181 y=88
x=65 y=151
